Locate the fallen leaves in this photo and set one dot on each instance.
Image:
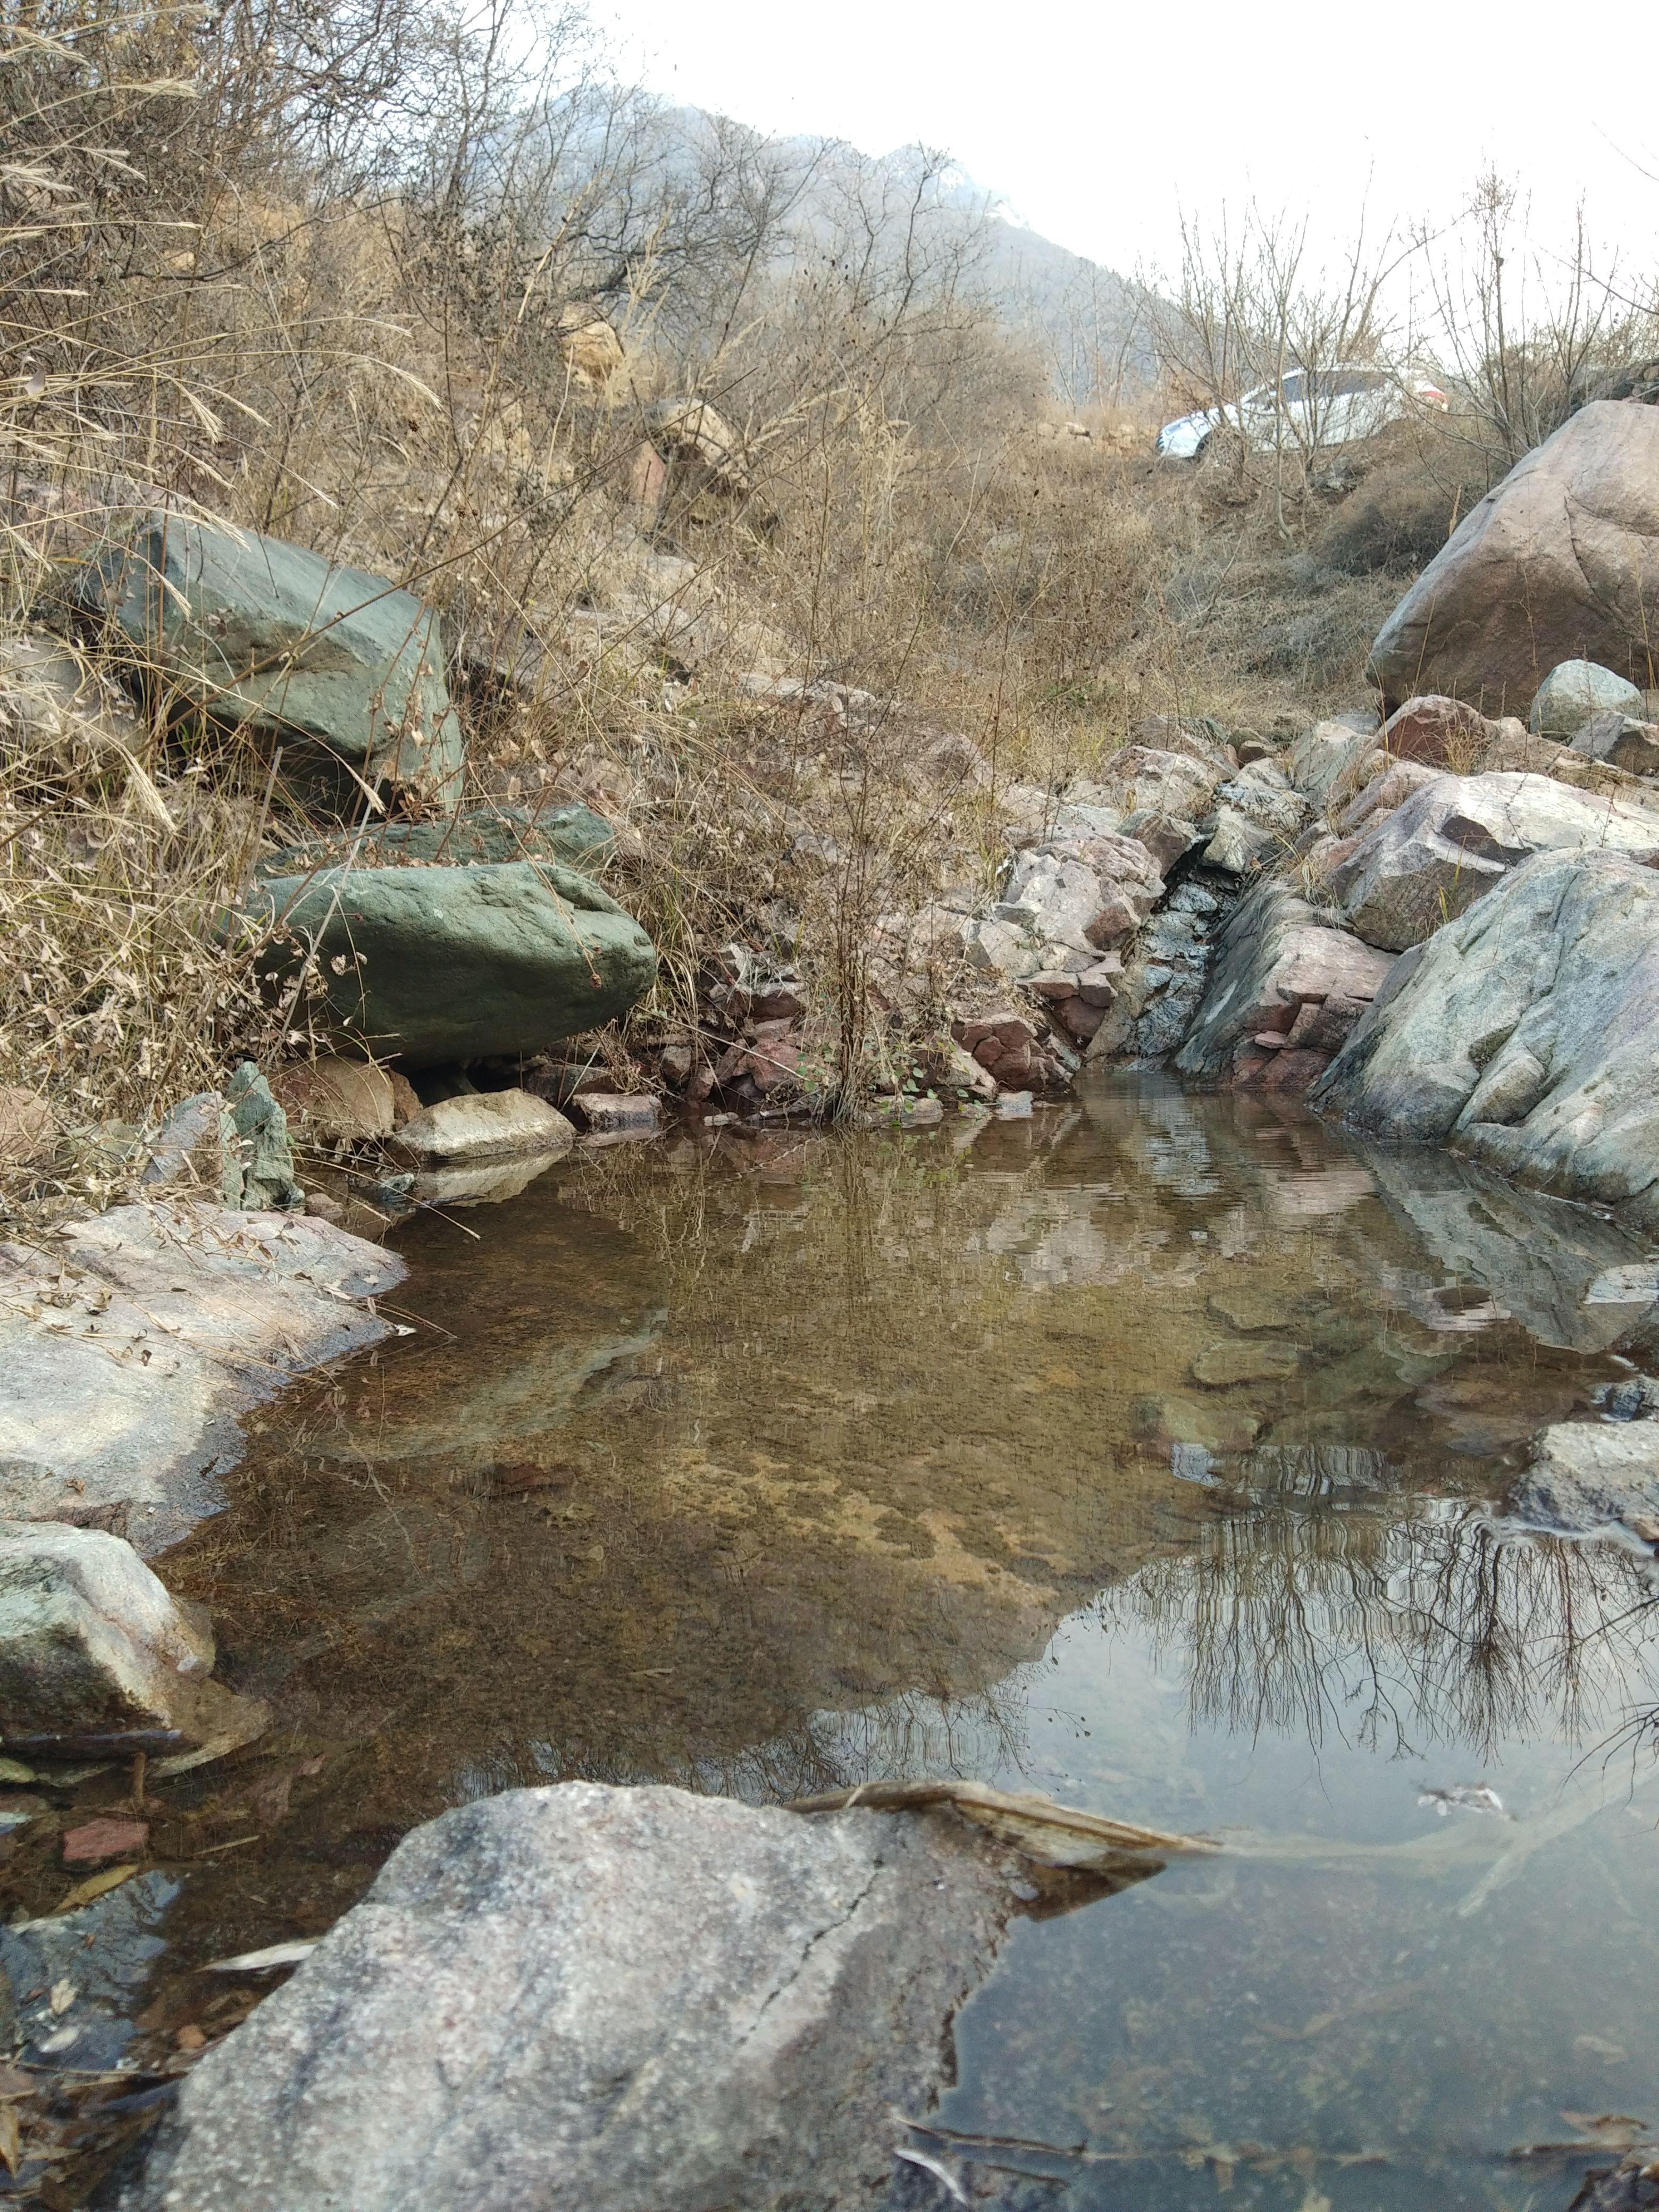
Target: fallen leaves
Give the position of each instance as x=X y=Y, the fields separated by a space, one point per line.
x=97 y=1884
x=258 y=1962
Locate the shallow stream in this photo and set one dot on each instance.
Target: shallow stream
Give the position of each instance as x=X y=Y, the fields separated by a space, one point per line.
x=1152 y=1454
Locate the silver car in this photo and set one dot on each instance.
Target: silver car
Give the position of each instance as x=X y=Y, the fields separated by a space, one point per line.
x=1307 y=409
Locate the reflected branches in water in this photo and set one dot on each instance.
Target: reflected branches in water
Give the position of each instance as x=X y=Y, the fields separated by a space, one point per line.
x=1431 y=1621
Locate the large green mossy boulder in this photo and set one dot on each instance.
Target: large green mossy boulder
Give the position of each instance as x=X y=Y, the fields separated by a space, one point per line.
x=340 y=668
x=433 y=965
x=571 y=836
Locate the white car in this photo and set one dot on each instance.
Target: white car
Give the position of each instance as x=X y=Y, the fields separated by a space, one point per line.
x=1325 y=407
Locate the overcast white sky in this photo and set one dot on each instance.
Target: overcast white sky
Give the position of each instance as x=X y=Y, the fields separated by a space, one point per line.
x=1099 y=124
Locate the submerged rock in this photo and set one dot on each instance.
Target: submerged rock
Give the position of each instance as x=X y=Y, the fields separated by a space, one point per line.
x=107 y=1951
x=340 y=668
x=616 y=1999
x=1524 y=1034
x=445 y=964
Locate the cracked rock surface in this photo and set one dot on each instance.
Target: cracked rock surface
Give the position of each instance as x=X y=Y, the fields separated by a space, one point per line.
x=619 y=2000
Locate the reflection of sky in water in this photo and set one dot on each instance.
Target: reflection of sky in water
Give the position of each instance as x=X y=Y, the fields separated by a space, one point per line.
x=1147 y=1454
x=1373 y=2003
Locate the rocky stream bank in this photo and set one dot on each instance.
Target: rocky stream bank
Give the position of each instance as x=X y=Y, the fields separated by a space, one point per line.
x=1438 y=922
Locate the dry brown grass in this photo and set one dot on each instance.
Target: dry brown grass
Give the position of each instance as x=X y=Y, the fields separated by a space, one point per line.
x=204 y=299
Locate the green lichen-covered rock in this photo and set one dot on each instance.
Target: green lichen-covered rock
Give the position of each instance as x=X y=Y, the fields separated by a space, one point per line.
x=435 y=966
x=571 y=836
x=341 y=668
x=259 y=1162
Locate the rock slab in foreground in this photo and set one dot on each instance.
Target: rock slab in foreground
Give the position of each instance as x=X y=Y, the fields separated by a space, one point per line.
x=600 y=2000
x=1526 y=1034
x=128 y=1344
x=1560 y=562
x=444 y=965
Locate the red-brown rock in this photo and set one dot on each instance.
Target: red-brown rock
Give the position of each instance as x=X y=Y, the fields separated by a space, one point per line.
x=1560 y=562
x=1439 y=731
x=97 y=1841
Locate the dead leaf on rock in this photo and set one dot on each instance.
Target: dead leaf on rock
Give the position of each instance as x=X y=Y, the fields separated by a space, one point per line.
x=11 y=2139
x=97 y=1884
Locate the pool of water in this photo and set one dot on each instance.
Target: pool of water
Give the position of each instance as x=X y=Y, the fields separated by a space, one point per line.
x=1153 y=1454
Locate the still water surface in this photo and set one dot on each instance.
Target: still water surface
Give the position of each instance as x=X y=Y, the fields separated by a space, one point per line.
x=1153 y=1454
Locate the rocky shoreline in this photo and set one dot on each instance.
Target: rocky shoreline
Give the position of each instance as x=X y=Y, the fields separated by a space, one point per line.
x=1441 y=926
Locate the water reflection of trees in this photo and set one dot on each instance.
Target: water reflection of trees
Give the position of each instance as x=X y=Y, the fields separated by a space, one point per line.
x=1392 y=1623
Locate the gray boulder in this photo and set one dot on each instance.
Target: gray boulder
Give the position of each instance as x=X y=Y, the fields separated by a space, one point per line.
x=1086 y=893
x=94 y=1656
x=342 y=669
x=1575 y=691
x=1561 y=561
x=1328 y=761
x=1524 y=1033
x=1149 y=779
x=130 y=1346
x=616 y=2000
x=1425 y=863
x=1275 y=955
x=1621 y=739
x=235 y=1148
x=445 y=964
x=1257 y=816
